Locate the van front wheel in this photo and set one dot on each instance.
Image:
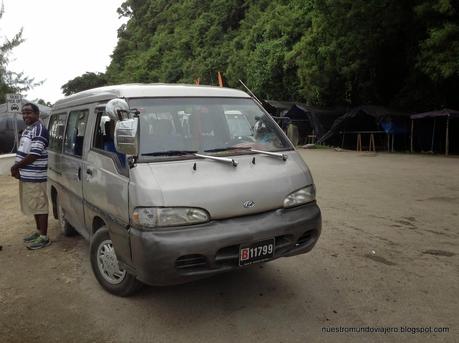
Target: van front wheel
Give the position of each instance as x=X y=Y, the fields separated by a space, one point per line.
x=105 y=266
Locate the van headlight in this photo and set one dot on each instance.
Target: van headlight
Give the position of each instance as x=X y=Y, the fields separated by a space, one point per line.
x=153 y=217
x=300 y=197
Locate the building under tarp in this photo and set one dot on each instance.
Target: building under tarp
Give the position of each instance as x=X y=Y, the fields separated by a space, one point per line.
x=370 y=127
x=277 y=109
x=311 y=122
x=435 y=131
x=7 y=125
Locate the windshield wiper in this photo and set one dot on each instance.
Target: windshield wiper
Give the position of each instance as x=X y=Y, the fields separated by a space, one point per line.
x=170 y=153
x=227 y=149
x=220 y=159
x=273 y=154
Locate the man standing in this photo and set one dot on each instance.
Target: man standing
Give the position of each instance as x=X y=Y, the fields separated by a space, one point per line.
x=31 y=170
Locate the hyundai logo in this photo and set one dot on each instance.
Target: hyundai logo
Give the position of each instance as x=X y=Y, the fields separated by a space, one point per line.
x=248 y=204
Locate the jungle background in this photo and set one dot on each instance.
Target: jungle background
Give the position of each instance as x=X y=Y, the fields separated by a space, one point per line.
x=402 y=54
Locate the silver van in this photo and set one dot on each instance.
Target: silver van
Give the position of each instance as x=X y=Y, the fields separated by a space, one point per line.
x=172 y=183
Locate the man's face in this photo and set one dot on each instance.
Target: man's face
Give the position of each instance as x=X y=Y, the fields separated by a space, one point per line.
x=29 y=116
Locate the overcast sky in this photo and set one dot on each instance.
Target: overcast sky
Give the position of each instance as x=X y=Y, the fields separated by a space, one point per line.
x=63 y=39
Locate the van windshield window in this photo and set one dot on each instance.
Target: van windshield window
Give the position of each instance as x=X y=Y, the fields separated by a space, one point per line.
x=210 y=125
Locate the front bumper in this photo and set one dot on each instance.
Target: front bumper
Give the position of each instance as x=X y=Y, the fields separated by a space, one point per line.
x=189 y=253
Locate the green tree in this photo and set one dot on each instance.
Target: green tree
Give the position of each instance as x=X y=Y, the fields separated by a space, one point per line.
x=439 y=49
x=10 y=81
x=83 y=82
x=353 y=52
x=260 y=49
x=42 y=102
x=324 y=52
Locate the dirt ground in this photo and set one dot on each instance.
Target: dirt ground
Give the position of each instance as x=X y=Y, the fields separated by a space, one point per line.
x=388 y=258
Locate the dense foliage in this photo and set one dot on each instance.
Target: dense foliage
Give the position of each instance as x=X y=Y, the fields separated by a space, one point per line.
x=324 y=52
x=86 y=81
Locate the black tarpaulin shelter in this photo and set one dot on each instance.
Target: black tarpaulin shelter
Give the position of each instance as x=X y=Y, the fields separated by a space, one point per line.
x=277 y=108
x=378 y=121
x=310 y=121
x=313 y=121
x=434 y=131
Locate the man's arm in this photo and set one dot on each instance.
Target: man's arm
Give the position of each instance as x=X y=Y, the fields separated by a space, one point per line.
x=26 y=161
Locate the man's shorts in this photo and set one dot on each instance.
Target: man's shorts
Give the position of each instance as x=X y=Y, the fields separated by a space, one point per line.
x=33 y=198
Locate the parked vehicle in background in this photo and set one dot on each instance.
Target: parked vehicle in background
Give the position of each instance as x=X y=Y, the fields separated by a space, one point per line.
x=172 y=183
x=7 y=137
x=7 y=125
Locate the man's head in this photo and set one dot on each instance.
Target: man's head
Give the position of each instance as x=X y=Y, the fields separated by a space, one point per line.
x=30 y=113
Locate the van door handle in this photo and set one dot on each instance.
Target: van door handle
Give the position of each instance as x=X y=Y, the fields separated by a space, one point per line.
x=89 y=171
x=79 y=174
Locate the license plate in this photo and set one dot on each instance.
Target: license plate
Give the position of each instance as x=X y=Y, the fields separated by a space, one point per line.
x=257 y=252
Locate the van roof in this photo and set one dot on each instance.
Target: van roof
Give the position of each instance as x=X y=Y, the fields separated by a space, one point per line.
x=138 y=90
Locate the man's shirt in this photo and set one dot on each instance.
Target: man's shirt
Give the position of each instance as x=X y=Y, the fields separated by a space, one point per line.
x=34 y=141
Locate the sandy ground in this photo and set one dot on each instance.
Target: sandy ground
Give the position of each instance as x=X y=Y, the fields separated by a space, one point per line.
x=388 y=258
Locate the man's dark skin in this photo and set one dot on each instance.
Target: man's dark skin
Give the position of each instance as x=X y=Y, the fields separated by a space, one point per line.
x=30 y=118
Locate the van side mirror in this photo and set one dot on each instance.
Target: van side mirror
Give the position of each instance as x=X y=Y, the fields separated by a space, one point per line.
x=117 y=109
x=126 y=138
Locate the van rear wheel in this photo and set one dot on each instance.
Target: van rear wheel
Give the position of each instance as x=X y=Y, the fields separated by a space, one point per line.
x=64 y=225
x=105 y=266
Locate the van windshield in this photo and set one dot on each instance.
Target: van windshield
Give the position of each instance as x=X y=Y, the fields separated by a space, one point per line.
x=178 y=127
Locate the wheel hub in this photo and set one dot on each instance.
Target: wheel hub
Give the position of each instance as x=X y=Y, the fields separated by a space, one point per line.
x=108 y=263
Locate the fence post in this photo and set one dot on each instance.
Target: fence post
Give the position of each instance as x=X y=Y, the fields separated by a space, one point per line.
x=371 y=145
x=359 y=142
x=447 y=137
x=412 y=130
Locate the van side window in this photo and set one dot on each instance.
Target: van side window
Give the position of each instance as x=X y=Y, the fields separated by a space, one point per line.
x=74 y=135
x=104 y=137
x=101 y=131
x=56 y=131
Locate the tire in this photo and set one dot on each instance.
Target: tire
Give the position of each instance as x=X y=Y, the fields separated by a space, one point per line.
x=106 y=269
x=67 y=229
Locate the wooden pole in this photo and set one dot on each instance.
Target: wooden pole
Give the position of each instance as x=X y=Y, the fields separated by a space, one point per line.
x=220 y=79
x=16 y=133
x=433 y=136
x=447 y=136
x=412 y=130
x=359 y=142
x=372 y=146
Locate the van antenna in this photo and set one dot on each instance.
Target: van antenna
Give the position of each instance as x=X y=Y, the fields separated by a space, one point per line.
x=251 y=94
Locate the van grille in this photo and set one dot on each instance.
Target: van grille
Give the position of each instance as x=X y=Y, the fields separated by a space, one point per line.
x=283 y=244
x=307 y=238
x=229 y=256
x=191 y=262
